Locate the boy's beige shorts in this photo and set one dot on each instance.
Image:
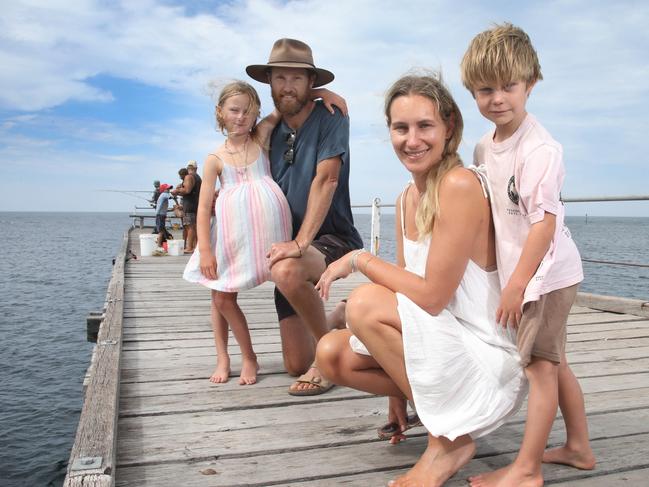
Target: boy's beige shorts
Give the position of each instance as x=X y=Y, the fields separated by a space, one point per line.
x=542 y=330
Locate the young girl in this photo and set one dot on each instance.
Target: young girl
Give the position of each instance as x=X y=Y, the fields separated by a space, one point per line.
x=250 y=213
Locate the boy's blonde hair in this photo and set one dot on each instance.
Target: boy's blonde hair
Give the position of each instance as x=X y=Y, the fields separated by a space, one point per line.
x=237 y=88
x=430 y=86
x=501 y=55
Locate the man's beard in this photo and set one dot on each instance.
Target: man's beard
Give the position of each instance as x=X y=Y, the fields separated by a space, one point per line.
x=289 y=107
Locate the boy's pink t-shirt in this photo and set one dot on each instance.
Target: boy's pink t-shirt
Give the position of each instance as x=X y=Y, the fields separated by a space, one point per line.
x=525 y=175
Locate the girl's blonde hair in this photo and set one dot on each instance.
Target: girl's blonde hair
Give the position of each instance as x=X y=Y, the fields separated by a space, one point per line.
x=238 y=88
x=431 y=86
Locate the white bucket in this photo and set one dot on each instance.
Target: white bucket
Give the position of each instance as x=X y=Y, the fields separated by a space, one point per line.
x=175 y=247
x=148 y=243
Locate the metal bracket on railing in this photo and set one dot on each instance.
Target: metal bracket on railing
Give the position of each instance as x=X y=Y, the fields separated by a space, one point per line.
x=108 y=342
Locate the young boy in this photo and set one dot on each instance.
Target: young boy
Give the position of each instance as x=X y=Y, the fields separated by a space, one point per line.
x=538 y=263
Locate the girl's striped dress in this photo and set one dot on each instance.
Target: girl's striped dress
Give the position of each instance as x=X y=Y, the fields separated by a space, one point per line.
x=251 y=213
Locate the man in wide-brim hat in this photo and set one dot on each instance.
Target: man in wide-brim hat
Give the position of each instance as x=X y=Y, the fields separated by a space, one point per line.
x=309 y=156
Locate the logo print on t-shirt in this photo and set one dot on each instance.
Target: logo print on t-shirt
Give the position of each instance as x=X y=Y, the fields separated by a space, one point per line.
x=511 y=191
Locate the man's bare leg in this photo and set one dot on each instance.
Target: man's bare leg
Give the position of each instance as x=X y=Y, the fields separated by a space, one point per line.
x=577 y=451
x=298 y=345
x=295 y=278
x=190 y=243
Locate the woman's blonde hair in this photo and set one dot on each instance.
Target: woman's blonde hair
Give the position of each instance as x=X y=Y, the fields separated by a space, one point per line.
x=238 y=88
x=430 y=86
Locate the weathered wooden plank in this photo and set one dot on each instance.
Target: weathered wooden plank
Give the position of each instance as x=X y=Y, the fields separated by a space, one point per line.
x=223 y=396
x=213 y=399
x=603 y=317
x=613 y=303
x=239 y=433
x=609 y=326
x=629 y=477
x=318 y=464
x=203 y=358
x=92 y=459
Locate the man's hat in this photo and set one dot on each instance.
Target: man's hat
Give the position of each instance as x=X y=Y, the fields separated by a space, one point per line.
x=290 y=53
x=192 y=163
x=164 y=187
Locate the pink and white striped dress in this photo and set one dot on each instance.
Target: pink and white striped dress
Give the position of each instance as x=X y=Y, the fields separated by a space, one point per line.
x=251 y=213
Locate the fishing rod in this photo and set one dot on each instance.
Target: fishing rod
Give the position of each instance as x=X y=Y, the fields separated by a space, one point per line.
x=128 y=192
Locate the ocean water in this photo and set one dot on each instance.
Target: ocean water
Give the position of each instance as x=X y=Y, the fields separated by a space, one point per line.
x=55 y=269
x=614 y=239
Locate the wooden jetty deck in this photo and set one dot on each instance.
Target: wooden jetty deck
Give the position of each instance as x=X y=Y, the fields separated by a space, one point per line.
x=175 y=428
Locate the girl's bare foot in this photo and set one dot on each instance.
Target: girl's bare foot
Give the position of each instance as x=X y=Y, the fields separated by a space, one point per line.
x=222 y=371
x=510 y=476
x=441 y=460
x=581 y=459
x=249 y=369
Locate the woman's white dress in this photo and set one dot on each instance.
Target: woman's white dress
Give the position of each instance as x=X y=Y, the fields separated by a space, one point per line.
x=463 y=368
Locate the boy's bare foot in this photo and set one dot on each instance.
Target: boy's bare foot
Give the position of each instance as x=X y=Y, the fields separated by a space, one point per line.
x=441 y=460
x=222 y=371
x=510 y=476
x=249 y=369
x=583 y=460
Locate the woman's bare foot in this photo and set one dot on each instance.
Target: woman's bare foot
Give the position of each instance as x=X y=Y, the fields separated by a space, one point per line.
x=441 y=460
x=581 y=459
x=222 y=371
x=510 y=476
x=249 y=369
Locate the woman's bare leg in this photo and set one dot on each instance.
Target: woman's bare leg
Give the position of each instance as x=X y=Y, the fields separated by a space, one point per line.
x=372 y=316
x=441 y=460
x=341 y=365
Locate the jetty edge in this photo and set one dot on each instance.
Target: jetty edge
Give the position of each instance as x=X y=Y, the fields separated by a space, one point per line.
x=92 y=459
x=175 y=428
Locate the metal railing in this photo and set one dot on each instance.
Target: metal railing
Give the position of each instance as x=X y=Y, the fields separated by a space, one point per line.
x=375 y=230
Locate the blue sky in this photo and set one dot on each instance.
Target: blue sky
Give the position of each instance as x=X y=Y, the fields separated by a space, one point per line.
x=99 y=95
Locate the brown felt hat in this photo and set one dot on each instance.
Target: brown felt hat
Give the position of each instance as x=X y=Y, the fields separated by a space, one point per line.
x=290 y=53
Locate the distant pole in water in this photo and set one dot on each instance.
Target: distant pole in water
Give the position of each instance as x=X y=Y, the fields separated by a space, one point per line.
x=586 y=217
x=375 y=229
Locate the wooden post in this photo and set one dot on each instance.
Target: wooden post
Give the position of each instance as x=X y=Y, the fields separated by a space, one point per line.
x=376 y=226
x=613 y=304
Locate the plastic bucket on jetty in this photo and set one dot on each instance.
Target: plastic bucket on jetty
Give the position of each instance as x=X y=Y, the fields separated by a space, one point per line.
x=148 y=243
x=176 y=246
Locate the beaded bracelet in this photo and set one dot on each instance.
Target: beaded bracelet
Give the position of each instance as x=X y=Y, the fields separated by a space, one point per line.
x=355 y=258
